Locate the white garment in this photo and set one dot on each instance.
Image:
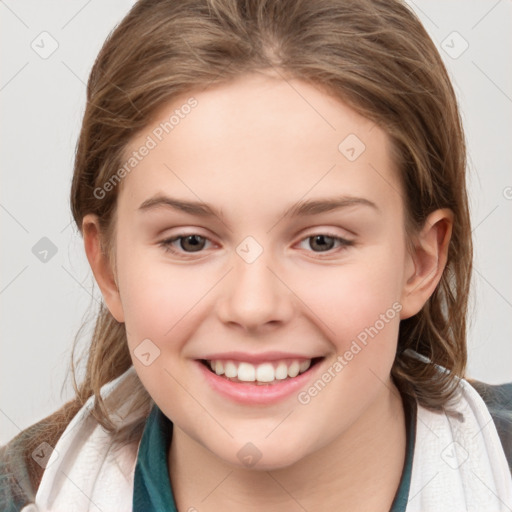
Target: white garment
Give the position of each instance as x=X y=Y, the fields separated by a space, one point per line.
x=459 y=463
x=83 y=474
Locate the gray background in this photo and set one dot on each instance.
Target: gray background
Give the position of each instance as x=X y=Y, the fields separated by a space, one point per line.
x=42 y=100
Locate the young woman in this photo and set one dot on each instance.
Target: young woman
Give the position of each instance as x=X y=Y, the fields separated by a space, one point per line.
x=272 y=200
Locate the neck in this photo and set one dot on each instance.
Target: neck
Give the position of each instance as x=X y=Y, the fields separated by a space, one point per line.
x=360 y=470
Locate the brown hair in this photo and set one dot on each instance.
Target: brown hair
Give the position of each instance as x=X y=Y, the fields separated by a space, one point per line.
x=374 y=55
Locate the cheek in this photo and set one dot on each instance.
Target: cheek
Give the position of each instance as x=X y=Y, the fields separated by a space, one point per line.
x=160 y=302
x=358 y=309
x=351 y=297
x=158 y=298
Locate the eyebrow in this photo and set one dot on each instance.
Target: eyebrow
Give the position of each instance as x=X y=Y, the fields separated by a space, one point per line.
x=300 y=209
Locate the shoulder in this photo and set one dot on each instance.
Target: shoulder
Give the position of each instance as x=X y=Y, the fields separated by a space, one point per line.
x=20 y=471
x=17 y=475
x=498 y=399
x=16 y=488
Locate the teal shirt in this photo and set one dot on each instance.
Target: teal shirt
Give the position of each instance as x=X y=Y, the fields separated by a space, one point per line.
x=152 y=489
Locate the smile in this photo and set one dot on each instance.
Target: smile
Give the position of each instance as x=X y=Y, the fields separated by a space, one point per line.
x=263 y=383
x=241 y=371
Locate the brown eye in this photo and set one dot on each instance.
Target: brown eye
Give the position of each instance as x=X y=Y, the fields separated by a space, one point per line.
x=192 y=243
x=322 y=242
x=187 y=244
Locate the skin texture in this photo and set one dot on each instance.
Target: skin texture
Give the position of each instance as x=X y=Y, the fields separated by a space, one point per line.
x=252 y=148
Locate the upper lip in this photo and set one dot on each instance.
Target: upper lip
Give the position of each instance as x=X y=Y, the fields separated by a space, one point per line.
x=257 y=358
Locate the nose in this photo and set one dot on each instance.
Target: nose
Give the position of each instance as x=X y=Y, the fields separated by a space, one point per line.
x=255 y=296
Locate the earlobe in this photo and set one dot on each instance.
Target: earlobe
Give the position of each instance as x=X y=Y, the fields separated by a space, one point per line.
x=427 y=262
x=100 y=266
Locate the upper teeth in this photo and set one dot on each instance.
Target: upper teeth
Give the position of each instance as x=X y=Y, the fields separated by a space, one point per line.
x=264 y=372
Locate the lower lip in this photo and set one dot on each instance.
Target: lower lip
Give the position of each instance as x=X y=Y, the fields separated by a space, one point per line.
x=251 y=393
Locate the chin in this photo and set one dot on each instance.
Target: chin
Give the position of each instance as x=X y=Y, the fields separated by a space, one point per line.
x=252 y=458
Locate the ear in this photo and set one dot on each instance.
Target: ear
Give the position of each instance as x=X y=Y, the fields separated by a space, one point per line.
x=425 y=265
x=100 y=266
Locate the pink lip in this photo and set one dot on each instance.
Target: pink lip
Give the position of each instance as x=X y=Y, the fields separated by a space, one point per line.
x=257 y=358
x=251 y=393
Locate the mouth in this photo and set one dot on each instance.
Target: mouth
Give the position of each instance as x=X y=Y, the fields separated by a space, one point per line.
x=264 y=374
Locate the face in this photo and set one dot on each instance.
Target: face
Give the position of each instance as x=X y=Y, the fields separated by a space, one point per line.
x=265 y=278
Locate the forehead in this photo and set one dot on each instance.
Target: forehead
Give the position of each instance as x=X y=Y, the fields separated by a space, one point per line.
x=259 y=134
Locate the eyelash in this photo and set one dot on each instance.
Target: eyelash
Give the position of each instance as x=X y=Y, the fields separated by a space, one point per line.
x=166 y=244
